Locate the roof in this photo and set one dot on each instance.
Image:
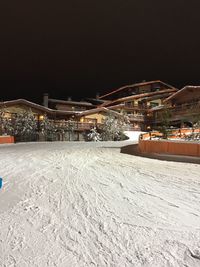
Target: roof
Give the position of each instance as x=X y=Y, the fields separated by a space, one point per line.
x=129 y=98
x=190 y=92
x=69 y=102
x=34 y=105
x=97 y=110
x=157 y=108
x=135 y=85
x=94 y=101
x=154 y=97
x=23 y=102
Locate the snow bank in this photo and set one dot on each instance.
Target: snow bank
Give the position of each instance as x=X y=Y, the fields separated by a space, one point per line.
x=133 y=135
x=86 y=204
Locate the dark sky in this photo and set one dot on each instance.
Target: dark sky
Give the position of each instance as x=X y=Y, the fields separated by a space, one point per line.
x=81 y=47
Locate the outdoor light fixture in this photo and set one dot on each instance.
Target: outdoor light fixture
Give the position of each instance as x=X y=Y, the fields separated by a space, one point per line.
x=41 y=117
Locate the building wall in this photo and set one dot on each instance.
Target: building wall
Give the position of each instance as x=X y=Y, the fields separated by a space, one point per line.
x=97 y=116
x=70 y=107
x=21 y=108
x=156 y=101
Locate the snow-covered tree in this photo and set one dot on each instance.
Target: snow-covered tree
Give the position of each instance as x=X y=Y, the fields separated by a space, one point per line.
x=6 y=125
x=94 y=135
x=66 y=129
x=70 y=127
x=165 y=117
x=1 y=121
x=47 y=127
x=25 y=123
x=114 y=126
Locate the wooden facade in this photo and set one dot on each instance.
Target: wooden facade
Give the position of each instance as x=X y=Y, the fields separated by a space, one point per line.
x=21 y=105
x=137 y=100
x=144 y=103
x=183 y=108
x=66 y=105
x=136 y=89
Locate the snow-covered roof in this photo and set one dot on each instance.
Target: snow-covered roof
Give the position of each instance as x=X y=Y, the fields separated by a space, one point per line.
x=34 y=105
x=188 y=91
x=135 y=85
x=143 y=95
x=97 y=110
x=70 y=102
x=157 y=108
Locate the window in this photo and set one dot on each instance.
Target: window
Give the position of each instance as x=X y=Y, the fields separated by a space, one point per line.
x=129 y=104
x=153 y=104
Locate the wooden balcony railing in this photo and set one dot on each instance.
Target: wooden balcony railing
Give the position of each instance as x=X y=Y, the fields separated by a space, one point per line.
x=79 y=126
x=86 y=125
x=178 y=112
x=136 y=117
x=83 y=126
x=186 y=107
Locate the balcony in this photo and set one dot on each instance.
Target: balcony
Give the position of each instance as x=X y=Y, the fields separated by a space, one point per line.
x=186 y=109
x=179 y=112
x=132 y=106
x=84 y=126
x=76 y=126
x=136 y=117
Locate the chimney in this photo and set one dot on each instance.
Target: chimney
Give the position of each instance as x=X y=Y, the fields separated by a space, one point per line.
x=97 y=95
x=46 y=100
x=69 y=98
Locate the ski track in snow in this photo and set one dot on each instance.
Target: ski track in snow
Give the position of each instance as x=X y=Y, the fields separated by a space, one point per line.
x=86 y=204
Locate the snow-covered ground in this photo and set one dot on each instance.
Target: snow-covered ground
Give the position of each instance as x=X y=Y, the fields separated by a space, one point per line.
x=86 y=204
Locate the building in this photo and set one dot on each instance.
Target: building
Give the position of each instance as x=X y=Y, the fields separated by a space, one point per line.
x=135 y=89
x=10 y=109
x=135 y=100
x=96 y=117
x=13 y=107
x=183 y=108
x=66 y=105
x=147 y=105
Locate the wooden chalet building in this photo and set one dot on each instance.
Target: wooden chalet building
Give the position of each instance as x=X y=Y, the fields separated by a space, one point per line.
x=136 y=100
x=183 y=108
x=144 y=103
x=96 y=117
x=13 y=107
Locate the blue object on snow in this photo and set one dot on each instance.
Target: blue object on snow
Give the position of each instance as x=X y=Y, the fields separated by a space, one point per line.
x=1 y=182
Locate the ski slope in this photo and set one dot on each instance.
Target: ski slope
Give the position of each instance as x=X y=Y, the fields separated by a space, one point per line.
x=86 y=204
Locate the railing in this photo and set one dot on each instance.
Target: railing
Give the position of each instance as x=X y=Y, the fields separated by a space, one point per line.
x=75 y=125
x=194 y=105
x=83 y=126
x=177 y=112
x=86 y=125
x=136 y=117
x=186 y=109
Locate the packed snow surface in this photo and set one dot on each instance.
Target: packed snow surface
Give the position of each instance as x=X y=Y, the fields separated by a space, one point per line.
x=86 y=204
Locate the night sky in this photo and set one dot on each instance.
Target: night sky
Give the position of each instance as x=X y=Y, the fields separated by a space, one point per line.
x=77 y=48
